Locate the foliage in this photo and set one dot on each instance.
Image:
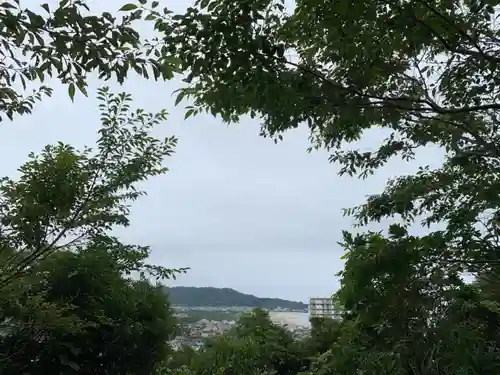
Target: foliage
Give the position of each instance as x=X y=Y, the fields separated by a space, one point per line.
x=255 y=346
x=225 y=297
x=121 y=326
x=393 y=78
x=324 y=332
x=67 y=42
x=65 y=198
x=425 y=73
x=67 y=301
x=183 y=356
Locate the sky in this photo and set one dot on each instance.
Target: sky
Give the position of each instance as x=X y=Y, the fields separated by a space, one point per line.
x=239 y=210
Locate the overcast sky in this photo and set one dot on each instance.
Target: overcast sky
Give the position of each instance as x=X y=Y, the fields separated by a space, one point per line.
x=239 y=210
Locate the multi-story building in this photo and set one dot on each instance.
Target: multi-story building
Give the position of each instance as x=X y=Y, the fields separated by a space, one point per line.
x=321 y=307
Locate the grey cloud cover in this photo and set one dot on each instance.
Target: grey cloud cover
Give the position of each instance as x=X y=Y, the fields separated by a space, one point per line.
x=239 y=210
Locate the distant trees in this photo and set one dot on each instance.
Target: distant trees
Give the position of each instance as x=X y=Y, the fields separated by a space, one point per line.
x=208 y=296
x=255 y=346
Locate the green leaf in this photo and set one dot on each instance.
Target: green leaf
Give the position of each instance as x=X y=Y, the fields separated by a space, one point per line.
x=71 y=91
x=66 y=55
x=82 y=88
x=188 y=114
x=7 y=5
x=358 y=67
x=179 y=98
x=128 y=7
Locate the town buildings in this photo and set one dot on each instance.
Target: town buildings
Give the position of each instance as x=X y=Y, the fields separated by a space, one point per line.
x=196 y=333
x=322 y=307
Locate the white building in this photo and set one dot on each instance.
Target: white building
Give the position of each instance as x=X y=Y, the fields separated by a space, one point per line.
x=321 y=307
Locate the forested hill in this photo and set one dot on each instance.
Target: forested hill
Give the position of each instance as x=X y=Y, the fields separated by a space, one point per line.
x=209 y=296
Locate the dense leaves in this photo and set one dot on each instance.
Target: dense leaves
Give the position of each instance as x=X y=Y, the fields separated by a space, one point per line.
x=255 y=346
x=119 y=326
x=425 y=73
x=324 y=332
x=365 y=68
x=67 y=41
x=68 y=302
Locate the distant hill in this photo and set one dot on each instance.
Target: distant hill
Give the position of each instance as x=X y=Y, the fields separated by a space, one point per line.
x=225 y=297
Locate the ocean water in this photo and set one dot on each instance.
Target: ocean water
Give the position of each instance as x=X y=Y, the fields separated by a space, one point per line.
x=292 y=319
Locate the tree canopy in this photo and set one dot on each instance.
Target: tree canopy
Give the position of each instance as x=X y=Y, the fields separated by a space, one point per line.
x=65 y=198
x=68 y=302
x=118 y=326
x=67 y=42
x=254 y=346
x=424 y=72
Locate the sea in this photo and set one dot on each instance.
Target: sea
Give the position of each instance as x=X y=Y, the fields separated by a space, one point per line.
x=291 y=319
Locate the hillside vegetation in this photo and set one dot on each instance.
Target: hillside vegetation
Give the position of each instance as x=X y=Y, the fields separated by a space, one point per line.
x=209 y=296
